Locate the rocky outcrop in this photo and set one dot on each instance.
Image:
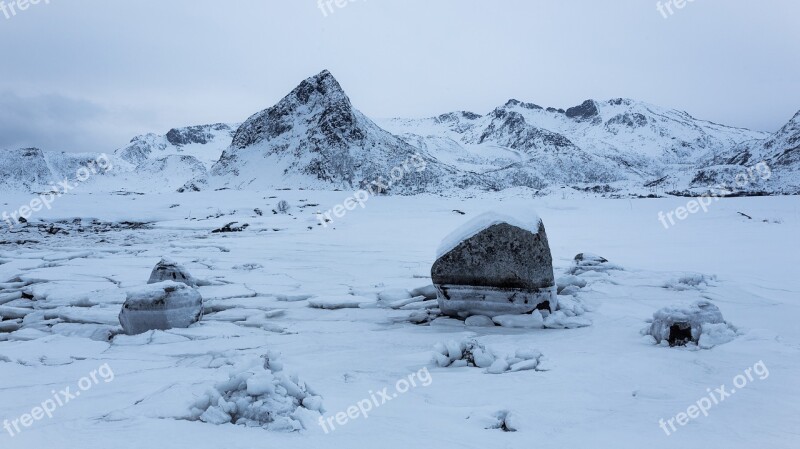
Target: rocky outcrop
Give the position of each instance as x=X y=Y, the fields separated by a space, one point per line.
x=495 y=265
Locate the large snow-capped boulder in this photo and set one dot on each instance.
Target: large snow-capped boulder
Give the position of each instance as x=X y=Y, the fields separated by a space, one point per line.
x=700 y=322
x=495 y=264
x=161 y=306
x=169 y=270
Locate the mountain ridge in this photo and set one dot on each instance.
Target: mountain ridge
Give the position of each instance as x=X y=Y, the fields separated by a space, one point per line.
x=314 y=138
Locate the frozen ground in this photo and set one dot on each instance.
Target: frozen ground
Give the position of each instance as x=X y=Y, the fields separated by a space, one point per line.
x=603 y=385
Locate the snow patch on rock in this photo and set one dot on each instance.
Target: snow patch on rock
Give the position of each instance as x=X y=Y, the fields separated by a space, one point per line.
x=528 y=220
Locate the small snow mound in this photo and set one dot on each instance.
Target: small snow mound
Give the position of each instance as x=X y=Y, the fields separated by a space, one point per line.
x=565 y=282
x=394 y=294
x=716 y=334
x=248 y=267
x=428 y=291
x=680 y=325
x=528 y=220
x=571 y=306
x=470 y=353
x=567 y=316
x=463 y=353
x=534 y=320
x=500 y=420
x=260 y=394
x=479 y=321
x=690 y=282
x=585 y=262
x=561 y=320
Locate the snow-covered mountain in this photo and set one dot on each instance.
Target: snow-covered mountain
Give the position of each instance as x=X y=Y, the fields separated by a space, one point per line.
x=205 y=143
x=31 y=169
x=315 y=139
x=777 y=157
x=595 y=142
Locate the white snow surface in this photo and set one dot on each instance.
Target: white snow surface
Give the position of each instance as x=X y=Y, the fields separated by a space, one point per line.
x=60 y=296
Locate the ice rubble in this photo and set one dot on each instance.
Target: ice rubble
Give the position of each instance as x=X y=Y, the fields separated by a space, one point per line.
x=585 y=262
x=160 y=306
x=690 y=282
x=258 y=393
x=700 y=322
x=469 y=352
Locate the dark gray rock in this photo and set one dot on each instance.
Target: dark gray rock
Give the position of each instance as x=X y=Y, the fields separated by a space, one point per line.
x=503 y=269
x=161 y=306
x=169 y=270
x=585 y=111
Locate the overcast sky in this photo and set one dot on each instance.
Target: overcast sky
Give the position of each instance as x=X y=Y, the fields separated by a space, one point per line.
x=90 y=74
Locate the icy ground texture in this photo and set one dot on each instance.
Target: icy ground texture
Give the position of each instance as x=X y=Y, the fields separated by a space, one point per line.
x=61 y=296
x=260 y=394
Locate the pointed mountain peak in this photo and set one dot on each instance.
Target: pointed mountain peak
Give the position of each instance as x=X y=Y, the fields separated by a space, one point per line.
x=315 y=98
x=514 y=102
x=322 y=85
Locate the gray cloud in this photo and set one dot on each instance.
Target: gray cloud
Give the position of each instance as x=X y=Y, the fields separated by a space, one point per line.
x=115 y=69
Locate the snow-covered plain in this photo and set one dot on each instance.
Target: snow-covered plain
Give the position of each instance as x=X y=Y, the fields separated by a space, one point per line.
x=603 y=385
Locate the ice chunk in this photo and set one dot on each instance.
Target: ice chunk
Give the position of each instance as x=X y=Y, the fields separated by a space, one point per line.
x=479 y=321
x=530 y=321
x=339 y=302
